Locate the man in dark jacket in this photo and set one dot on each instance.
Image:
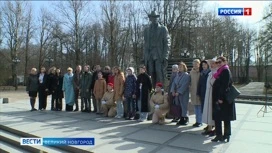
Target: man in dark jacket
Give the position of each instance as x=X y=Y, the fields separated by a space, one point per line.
x=76 y=78
x=85 y=84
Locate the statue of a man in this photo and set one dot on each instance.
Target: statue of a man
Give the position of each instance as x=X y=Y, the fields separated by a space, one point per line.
x=156 y=48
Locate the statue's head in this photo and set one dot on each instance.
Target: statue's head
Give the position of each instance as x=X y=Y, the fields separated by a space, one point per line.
x=154 y=16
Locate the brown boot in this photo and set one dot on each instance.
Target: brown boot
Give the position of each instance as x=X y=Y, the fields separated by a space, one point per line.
x=162 y=120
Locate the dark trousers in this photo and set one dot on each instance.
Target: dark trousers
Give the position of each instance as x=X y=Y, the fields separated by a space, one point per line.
x=87 y=103
x=76 y=98
x=218 y=128
x=58 y=102
x=53 y=103
x=69 y=108
x=42 y=99
x=32 y=102
x=130 y=105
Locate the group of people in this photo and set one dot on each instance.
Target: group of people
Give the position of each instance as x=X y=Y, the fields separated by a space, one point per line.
x=115 y=94
x=207 y=83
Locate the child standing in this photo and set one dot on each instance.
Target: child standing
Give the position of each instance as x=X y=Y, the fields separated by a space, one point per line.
x=99 y=90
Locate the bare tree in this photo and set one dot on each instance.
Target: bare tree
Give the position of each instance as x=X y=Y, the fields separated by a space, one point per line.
x=264 y=41
x=1 y=27
x=58 y=43
x=75 y=16
x=45 y=34
x=14 y=27
x=136 y=37
x=28 y=35
x=110 y=23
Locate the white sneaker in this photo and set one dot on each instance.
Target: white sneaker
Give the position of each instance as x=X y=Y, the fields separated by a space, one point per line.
x=116 y=116
x=119 y=116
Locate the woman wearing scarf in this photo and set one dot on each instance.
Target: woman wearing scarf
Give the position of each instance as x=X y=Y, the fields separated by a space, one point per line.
x=207 y=109
x=223 y=110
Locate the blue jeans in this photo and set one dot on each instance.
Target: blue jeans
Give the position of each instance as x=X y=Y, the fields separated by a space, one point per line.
x=131 y=106
x=143 y=115
x=120 y=108
x=198 y=113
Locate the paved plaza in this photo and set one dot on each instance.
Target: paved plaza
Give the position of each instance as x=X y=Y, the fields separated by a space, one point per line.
x=251 y=133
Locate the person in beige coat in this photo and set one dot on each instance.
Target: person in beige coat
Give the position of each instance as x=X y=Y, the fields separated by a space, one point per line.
x=195 y=100
x=108 y=103
x=99 y=90
x=119 y=82
x=159 y=105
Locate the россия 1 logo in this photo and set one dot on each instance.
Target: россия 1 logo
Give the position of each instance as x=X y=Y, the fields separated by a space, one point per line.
x=235 y=11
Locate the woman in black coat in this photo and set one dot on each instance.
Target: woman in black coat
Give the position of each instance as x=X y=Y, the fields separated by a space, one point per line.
x=52 y=85
x=143 y=88
x=202 y=83
x=56 y=89
x=223 y=110
x=43 y=88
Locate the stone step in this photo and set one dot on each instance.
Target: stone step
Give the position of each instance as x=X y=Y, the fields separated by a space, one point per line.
x=7 y=148
x=22 y=134
x=16 y=139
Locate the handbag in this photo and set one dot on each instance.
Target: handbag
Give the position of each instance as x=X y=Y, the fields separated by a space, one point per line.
x=232 y=93
x=175 y=109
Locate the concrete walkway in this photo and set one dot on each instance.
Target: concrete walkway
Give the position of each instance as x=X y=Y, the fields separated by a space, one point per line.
x=250 y=133
x=253 y=88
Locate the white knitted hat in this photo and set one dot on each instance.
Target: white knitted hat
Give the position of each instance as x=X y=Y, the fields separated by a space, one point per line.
x=131 y=68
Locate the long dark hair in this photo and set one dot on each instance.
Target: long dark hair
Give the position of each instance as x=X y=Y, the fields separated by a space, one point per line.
x=201 y=68
x=60 y=74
